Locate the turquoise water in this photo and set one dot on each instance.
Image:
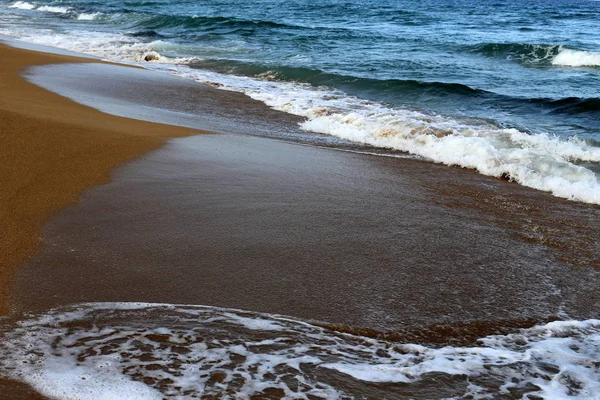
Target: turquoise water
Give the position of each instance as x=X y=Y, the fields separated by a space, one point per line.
x=510 y=88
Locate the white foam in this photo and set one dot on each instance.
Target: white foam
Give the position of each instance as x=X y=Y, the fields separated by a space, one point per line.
x=255 y=323
x=88 y=17
x=22 y=5
x=538 y=161
x=106 y=350
x=53 y=9
x=577 y=58
x=110 y=46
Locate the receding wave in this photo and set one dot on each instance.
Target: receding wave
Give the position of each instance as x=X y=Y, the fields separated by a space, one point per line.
x=539 y=54
x=154 y=351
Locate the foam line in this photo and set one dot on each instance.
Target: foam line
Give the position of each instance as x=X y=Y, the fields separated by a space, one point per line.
x=147 y=351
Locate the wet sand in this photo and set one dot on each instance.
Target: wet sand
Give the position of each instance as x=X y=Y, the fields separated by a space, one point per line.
x=257 y=224
x=51 y=150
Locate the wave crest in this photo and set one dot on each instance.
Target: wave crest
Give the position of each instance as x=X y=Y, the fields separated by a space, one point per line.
x=88 y=16
x=577 y=58
x=539 y=54
x=54 y=9
x=216 y=22
x=521 y=52
x=22 y=5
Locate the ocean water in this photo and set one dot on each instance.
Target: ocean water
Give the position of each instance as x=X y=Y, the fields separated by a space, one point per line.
x=509 y=88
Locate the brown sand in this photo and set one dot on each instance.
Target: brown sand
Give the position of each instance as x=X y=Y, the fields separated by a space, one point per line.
x=51 y=150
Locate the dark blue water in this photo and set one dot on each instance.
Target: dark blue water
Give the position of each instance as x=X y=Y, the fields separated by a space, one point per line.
x=473 y=66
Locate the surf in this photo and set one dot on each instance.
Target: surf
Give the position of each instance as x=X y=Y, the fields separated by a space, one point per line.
x=539 y=54
x=147 y=351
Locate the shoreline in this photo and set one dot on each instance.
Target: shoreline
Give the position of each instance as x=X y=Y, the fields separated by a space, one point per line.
x=55 y=149
x=499 y=204
x=396 y=249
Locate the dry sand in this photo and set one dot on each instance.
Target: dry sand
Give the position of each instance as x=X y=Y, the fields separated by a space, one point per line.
x=51 y=150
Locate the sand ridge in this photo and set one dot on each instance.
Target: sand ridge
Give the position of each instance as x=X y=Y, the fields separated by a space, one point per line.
x=51 y=150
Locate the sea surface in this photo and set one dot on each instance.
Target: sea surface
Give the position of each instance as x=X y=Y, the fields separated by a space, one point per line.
x=509 y=88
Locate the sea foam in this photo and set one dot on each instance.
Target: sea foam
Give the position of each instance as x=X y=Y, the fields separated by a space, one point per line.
x=22 y=5
x=53 y=9
x=88 y=17
x=576 y=58
x=132 y=350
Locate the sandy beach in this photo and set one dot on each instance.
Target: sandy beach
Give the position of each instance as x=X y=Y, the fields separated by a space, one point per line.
x=102 y=208
x=52 y=150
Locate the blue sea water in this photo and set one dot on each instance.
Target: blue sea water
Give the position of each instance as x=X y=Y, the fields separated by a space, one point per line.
x=510 y=88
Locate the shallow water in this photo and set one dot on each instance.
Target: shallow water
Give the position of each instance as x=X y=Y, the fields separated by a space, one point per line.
x=509 y=88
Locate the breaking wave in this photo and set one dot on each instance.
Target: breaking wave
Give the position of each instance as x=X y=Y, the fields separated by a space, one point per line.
x=147 y=351
x=54 y=9
x=539 y=54
x=88 y=16
x=575 y=58
x=404 y=88
x=525 y=53
x=540 y=161
x=22 y=5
